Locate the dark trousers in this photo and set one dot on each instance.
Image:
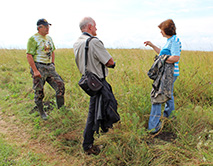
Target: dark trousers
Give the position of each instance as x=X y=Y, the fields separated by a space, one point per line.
x=91 y=125
x=89 y=130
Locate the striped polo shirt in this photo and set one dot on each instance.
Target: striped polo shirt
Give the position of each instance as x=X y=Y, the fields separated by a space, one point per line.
x=173 y=48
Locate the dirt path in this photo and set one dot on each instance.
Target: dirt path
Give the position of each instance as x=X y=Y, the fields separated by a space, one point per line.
x=16 y=134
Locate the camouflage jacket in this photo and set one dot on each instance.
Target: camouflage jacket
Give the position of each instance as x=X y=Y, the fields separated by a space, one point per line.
x=162 y=74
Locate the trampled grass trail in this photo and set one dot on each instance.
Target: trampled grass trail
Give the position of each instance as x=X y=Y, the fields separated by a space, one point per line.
x=29 y=151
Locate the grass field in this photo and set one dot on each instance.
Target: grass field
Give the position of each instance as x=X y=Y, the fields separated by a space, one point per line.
x=27 y=140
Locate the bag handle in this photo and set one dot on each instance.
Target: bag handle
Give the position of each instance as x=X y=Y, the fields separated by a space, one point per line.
x=86 y=53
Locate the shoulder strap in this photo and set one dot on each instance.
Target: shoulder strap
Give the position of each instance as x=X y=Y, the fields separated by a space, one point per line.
x=86 y=55
x=86 y=51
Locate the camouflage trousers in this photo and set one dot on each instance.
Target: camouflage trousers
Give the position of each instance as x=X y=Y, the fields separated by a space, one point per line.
x=49 y=75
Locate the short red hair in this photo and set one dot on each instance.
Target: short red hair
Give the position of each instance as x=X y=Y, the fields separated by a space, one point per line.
x=168 y=26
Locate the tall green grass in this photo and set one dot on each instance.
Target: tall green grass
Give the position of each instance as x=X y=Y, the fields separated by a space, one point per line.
x=129 y=143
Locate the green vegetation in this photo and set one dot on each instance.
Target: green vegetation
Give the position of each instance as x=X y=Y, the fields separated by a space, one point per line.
x=11 y=155
x=129 y=143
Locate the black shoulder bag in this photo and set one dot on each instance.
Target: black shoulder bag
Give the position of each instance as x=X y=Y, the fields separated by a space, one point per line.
x=90 y=82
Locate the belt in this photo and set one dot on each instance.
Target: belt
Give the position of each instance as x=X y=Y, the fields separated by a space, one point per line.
x=47 y=64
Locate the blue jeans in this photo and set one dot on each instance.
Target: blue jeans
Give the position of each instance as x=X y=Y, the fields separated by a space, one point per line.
x=154 y=119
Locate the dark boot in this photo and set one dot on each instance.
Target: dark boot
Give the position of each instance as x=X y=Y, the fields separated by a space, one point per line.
x=94 y=149
x=42 y=112
x=60 y=101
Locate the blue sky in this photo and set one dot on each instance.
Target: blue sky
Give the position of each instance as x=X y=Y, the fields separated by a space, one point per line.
x=120 y=23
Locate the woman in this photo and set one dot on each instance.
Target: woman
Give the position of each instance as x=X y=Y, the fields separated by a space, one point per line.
x=173 y=48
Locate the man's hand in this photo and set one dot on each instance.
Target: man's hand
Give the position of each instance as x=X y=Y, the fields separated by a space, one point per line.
x=110 y=63
x=37 y=74
x=112 y=66
x=32 y=65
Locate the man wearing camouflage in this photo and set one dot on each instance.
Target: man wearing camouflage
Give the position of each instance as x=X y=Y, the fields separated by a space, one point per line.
x=41 y=57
